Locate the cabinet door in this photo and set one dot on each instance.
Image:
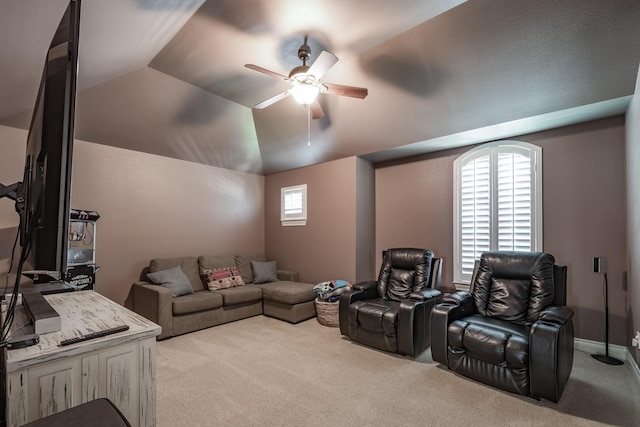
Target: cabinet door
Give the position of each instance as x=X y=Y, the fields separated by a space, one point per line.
x=53 y=387
x=90 y=378
x=120 y=379
x=148 y=382
x=17 y=398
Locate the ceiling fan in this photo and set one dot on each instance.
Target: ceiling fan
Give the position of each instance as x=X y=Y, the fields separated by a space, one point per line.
x=305 y=82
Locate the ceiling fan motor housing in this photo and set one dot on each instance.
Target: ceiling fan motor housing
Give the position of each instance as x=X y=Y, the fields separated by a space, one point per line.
x=304 y=53
x=299 y=70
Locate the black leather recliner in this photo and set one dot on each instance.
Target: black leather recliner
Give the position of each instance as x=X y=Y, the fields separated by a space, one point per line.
x=392 y=313
x=513 y=330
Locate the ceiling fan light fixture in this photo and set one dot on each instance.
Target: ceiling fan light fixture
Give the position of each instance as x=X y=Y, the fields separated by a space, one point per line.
x=304 y=93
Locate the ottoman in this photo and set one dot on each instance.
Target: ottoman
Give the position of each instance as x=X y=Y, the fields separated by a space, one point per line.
x=289 y=301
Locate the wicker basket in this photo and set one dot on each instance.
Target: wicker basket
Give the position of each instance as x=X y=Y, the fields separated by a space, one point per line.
x=327 y=313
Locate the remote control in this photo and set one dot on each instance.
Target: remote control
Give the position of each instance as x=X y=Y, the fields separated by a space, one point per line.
x=94 y=335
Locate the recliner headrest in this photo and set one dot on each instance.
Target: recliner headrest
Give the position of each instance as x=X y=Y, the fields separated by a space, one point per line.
x=514 y=286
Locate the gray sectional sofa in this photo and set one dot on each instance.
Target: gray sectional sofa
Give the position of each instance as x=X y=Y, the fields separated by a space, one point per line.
x=284 y=298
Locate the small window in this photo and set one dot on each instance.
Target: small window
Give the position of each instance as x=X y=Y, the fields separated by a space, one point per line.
x=293 y=205
x=498 y=202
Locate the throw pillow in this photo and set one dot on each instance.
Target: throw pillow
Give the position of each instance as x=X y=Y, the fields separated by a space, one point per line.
x=264 y=272
x=221 y=278
x=243 y=262
x=174 y=279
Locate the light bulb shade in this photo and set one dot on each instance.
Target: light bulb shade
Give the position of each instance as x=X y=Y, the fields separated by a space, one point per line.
x=304 y=93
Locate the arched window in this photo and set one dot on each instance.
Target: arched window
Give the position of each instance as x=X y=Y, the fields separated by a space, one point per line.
x=497 y=204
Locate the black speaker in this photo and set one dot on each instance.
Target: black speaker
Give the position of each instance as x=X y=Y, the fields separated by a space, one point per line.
x=599 y=265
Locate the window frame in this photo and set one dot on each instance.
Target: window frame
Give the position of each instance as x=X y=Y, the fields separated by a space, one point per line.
x=289 y=219
x=493 y=150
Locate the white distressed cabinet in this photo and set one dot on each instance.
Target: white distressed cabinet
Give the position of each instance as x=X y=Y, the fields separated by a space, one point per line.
x=45 y=379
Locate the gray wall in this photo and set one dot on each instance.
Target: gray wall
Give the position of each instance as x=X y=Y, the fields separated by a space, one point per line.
x=633 y=218
x=325 y=248
x=584 y=214
x=154 y=206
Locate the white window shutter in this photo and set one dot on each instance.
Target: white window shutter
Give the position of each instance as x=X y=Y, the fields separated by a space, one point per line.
x=475 y=211
x=293 y=205
x=498 y=203
x=514 y=202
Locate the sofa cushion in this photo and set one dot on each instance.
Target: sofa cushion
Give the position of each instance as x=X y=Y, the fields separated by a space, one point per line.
x=174 y=279
x=240 y=294
x=211 y=262
x=189 y=266
x=221 y=278
x=287 y=292
x=243 y=262
x=198 y=301
x=264 y=272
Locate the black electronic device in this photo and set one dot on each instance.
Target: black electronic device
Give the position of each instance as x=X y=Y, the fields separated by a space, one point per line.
x=599 y=265
x=42 y=198
x=23 y=341
x=45 y=192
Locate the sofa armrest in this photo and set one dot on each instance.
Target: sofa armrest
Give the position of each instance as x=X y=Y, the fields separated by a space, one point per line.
x=287 y=275
x=155 y=303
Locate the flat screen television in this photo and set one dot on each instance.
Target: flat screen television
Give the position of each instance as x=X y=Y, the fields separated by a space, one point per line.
x=46 y=186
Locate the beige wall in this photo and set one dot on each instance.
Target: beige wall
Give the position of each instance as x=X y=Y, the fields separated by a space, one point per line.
x=12 y=151
x=365 y=221
x=414 y=207
x=585 y=217
x=584 y=214
x=325 y=248
x=154 y=206
x=633 y=218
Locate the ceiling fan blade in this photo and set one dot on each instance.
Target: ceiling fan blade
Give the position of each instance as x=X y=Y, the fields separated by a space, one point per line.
x=351 y=91
x=265 y=71
x=316 y=110
x=322 y=64
x=272 y=100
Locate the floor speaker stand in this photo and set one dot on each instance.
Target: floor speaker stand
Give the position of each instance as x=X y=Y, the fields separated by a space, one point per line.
x=605 y=358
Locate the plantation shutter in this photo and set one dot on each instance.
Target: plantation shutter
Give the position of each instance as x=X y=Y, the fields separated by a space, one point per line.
x=514 y=202
x=475 y=211
x=498 y=203
x=293 y=205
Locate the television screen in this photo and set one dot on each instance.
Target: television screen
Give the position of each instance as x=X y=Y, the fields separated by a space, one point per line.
x=44 y=218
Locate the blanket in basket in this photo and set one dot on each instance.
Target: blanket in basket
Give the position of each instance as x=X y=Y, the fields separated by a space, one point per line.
x=330 y=291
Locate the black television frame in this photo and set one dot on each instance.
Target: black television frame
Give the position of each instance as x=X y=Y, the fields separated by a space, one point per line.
x=46 y=185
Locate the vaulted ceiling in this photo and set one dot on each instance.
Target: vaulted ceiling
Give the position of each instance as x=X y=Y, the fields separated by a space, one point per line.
x=167 y=76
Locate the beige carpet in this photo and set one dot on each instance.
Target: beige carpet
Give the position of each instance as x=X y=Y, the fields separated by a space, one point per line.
x=261 y=371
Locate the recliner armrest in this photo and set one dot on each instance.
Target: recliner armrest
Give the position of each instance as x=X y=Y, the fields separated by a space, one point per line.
x=346 y=299
x=551 y=352
x=455 y=306
x=459 y=298
x=556 y=315
x=425 y=294
x=370 y=288
x=369 y=284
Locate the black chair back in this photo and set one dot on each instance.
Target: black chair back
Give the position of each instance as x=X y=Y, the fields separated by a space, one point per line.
x=404 y=271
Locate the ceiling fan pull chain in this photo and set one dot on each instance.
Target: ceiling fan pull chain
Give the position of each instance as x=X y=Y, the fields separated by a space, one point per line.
x=309 y=125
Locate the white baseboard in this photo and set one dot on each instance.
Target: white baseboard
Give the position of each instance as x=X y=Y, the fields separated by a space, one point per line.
x=617 y=351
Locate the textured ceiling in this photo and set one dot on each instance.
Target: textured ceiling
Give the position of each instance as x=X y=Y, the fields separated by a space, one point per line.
x=168 y=77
